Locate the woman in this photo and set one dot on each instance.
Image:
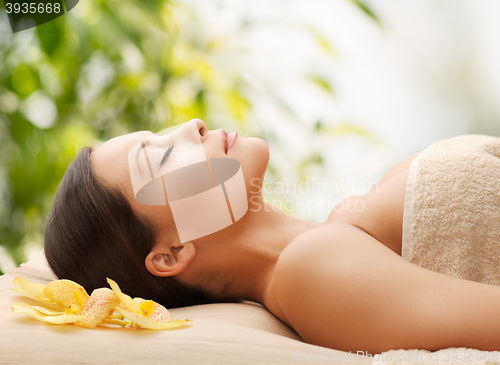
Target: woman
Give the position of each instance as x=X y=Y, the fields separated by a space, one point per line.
x=340 y=284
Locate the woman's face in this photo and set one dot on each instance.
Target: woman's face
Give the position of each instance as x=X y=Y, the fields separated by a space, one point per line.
x=110 y=161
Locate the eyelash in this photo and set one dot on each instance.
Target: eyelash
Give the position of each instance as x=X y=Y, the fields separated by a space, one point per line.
x=167 y=153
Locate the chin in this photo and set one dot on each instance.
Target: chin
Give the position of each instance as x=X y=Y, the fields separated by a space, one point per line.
x=253 y=155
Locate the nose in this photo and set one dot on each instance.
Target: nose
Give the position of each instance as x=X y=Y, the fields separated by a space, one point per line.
x=201 y=127
x=161 y=138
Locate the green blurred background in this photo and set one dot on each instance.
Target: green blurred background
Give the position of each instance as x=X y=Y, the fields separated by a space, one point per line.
x=103 y=70
x=341 y=90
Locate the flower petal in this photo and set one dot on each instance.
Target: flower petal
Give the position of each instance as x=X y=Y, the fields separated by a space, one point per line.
x=34 y=313
x=100 y=306
x=62 y=291
x=47 y=312
x=63 y=318
x=150 y=324
x=30 y=289
x=79 y=298
x=138 y=319
x=29 y=310
x=161 y=314
x=116 y=321
x=175 y=324
x=127 y=301
x=116 y=316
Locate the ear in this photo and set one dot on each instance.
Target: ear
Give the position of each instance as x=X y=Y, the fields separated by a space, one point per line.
x=166 y=260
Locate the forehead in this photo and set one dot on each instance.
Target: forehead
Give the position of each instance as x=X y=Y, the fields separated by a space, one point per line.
x=124 y=141
x=109 y=160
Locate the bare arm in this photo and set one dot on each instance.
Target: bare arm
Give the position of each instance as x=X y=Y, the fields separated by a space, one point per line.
x=340 y=288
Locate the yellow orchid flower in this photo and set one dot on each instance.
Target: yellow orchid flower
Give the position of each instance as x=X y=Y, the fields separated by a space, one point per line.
x=70 y=303
x=144 y=313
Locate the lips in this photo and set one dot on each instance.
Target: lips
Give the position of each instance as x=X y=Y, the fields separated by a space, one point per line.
x=228 y=139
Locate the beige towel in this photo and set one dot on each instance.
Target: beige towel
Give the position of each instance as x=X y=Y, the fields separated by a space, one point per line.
x=222 y=333
x=243 y=333
x=451 y=221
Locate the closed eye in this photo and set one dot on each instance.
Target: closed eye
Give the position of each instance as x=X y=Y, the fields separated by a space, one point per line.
x=167 y=153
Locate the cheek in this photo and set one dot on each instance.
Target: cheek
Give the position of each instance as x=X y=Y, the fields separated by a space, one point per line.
x=159 y=215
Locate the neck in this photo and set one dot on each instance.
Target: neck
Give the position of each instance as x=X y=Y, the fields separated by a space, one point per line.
x=246 y=256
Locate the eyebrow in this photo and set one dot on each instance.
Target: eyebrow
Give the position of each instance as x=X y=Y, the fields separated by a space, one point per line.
x=143 y=144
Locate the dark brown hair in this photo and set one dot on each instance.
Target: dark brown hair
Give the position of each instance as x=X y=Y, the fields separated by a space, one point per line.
x=92 y=233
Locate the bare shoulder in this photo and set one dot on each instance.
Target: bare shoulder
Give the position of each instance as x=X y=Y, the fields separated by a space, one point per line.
x=341 y=288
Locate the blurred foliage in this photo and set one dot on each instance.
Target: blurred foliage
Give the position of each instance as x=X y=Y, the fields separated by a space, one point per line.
x=367 y=10
x=114 y=67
